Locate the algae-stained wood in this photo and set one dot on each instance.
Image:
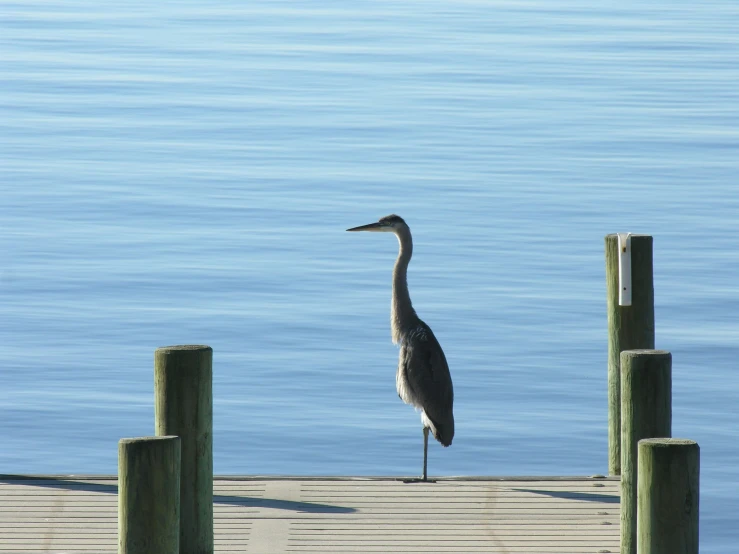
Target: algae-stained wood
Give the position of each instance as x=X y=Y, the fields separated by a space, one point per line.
x=668 y=496
x=149 y=495
x=183 y=406
x=629 y=327
x=335 y=515
x=646 y=412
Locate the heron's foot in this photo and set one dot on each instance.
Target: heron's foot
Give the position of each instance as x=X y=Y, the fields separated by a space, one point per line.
x=419 y=480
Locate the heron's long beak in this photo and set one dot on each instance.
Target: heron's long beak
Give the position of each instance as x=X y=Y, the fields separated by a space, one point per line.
x=370 y=227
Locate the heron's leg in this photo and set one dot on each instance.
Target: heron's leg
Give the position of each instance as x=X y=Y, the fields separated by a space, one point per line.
x=425 y=450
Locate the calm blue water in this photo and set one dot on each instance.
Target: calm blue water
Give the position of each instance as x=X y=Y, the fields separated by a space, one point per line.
x=184 y=173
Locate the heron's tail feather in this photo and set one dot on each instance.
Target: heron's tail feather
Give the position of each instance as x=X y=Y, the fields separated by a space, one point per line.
x=444 y=431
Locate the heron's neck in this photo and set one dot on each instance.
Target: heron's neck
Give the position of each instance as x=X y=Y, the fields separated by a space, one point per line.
x=402 y=316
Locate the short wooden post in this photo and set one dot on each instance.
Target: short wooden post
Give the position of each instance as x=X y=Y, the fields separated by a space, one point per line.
x=629 y=327
x=669 y=473
x=646 y=412
x=183 y=383
x=149 y=495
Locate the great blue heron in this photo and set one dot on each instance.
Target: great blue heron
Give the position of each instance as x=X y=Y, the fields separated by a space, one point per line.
x=423 y=378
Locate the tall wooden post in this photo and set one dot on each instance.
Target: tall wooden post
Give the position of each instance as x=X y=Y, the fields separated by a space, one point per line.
x=668 y=494
x=646 y=412
x=183 y=383
x=149 y=495
x=629 y=327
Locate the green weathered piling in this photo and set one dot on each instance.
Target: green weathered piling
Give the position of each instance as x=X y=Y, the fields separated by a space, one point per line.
x=668 y=494
x=183 y=382
x=646 y=412
x=629 y=327
x=149 y=495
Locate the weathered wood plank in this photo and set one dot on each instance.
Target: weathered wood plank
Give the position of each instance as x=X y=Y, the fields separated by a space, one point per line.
x=334 y=515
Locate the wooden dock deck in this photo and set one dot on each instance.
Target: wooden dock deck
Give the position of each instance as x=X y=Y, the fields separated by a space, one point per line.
x=70 y=514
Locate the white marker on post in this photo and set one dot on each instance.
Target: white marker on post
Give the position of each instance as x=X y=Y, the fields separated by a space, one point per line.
x=624 y=269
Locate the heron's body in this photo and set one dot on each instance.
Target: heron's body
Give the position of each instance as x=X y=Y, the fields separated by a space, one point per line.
x=423 y=381
x=423 y=378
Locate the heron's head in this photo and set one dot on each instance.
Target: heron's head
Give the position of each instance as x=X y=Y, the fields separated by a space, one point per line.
x=388 y=224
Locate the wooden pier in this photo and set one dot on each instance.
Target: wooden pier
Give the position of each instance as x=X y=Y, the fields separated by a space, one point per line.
x=171 y=502
x=71 y=514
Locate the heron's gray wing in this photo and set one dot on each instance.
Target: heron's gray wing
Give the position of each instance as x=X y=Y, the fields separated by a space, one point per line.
x=427 y=374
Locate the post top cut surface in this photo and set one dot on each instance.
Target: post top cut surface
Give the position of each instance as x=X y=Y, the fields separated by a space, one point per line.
x=135 y=440
x=645 y=352
x=615 y=235
x=181 y=347
x=667 y=442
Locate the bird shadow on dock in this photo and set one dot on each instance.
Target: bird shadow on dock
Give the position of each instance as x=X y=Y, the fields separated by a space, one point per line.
x=112 y=488
x=572 y=495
